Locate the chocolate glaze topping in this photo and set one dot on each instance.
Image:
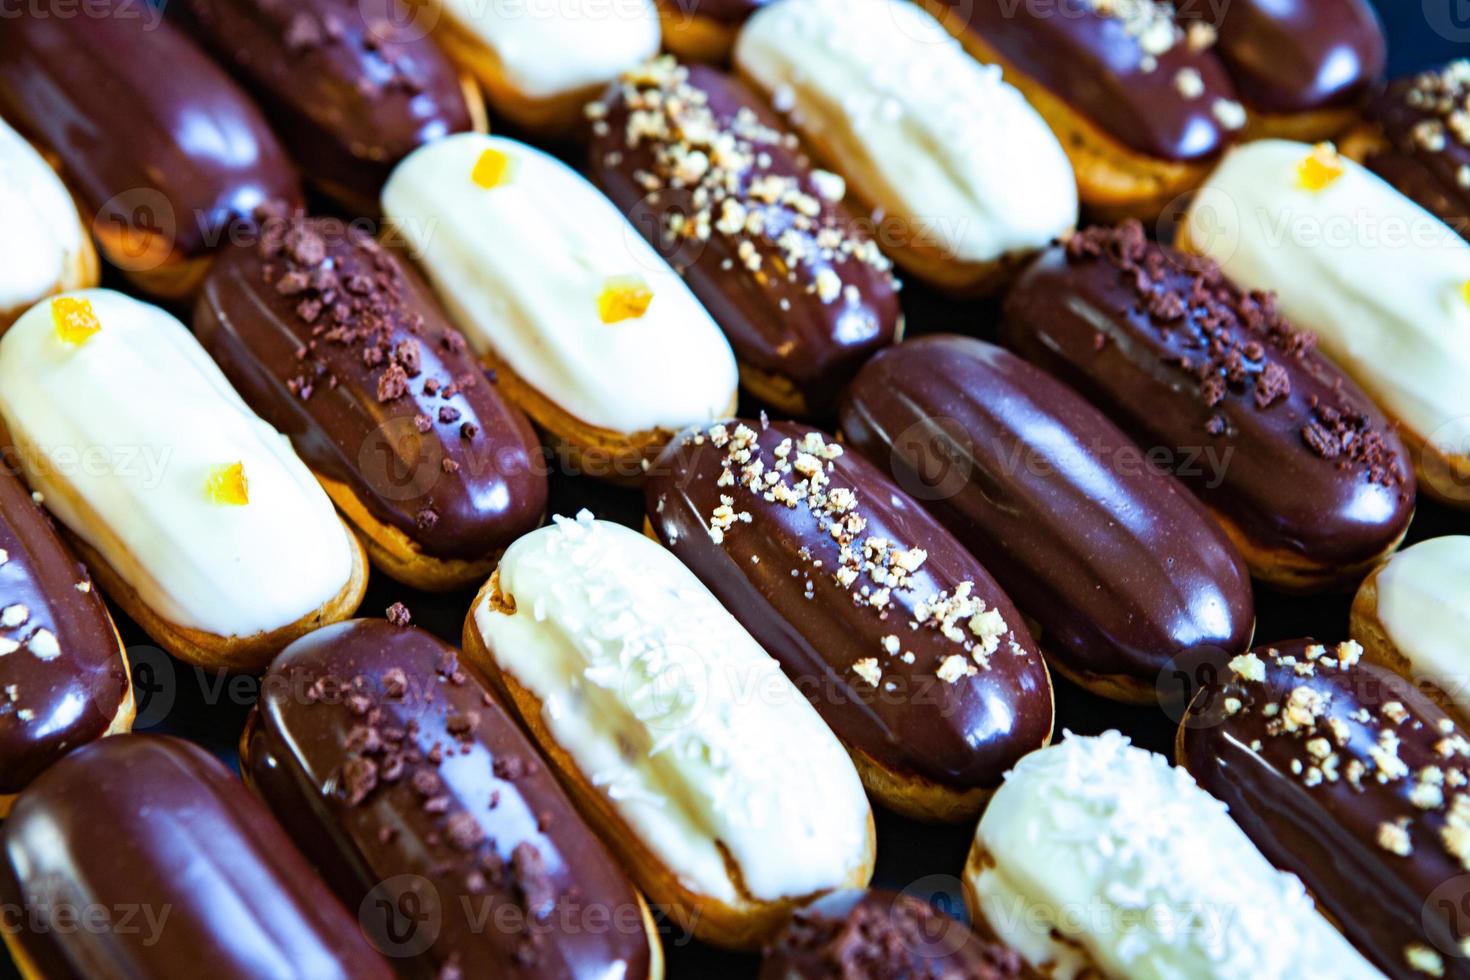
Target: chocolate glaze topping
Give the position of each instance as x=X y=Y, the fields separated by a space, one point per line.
x=339 y=345
x=350 y=94
x=1122 y=570
x=1184 y=360
x=879 y=935
x=155 y=840
x=1290 y=56
x=151 y=135
x=721 y=187
x=1346 y=775
x=1425 y=122
x=383 y=758
x=62 y=677
x=1133 y=68
x=895 y=633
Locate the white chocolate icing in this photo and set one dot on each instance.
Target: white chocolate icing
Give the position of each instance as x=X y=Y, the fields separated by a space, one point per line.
x=1424 y=607
x=40 y=234
x=548 y=48
x=120 y=434
x=1380 y=280
x=1125 y=856
x=521 y=267
x=920 y=130
x=672 y=710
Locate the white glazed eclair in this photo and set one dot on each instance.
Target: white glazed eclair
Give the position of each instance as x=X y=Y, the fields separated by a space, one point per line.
x=1097 y=859
x=194 y=515
x=1410 y=615
x=587 y=328
x=1379 y=280
x=701 y=765
x=962 y=175
x=44 y=247
x=541 y=61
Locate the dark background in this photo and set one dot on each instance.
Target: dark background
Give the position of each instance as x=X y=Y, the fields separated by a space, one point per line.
x=924 y=860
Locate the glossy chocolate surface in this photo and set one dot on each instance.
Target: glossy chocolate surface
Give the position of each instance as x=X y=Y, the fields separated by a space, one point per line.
x=1265 y=430
x=336 y=343
x=1426 y=151
x=1099 y=67
x=143 y=856
x=150 y=133
x=69 y=692
x=384 y=759
x=857 y=934
x=1124 y=572
x=1347 y=776
x=808 y=297
x=784 y=576
x=1289 y=56
x=350 y=96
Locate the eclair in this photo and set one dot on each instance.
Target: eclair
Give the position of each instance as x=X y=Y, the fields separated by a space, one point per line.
x=161 y=148
x=585 y=326
x=1410 y=616
x=206 y=879
x=63 y=669
x=1098 y=859
x=701 y=766
x=1415 y=136
x=387 y=762
x=1295 y=462
x=350 y=94
x=704 y=30
x=541 y=61
x=1141 y=105
x=874 y=934
x=717 y=183
x=1379 y=280
x=1124 y=575
x=1345 y=775
x=338 y=344
x=192 y=514
x=47 y=246
x=959 y=175
x=899 y=637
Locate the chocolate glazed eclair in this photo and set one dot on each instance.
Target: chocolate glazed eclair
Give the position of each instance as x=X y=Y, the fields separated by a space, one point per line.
x=389 y=764
x=1415 y=136
x=1300 y=468
x=152 y=838
x=63 y=669
x=723 y=189
x=1120 y=568
x=165 y=152
x=340 y=346
x=349 y=94
x=1135 y=96
x=899 y=637
x=1344 y=774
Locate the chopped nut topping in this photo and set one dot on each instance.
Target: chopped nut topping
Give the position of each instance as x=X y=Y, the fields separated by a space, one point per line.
x=1248 y=667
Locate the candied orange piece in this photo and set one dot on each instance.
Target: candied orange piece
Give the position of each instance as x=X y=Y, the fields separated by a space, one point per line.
x=227 y=485
x=1318 y=170
x=493 y=169
x=74 y=319
x=623 y=298
x=1465 y=291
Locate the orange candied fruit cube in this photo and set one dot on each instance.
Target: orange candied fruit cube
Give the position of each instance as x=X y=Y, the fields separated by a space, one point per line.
x=227 y=485
x=623 y=298
x=1465 y=291
x=493 y=169
x=75 y=321
x=1319 y=169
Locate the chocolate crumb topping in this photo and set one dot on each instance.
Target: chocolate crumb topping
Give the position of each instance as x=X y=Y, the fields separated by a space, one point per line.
x=1237 y=340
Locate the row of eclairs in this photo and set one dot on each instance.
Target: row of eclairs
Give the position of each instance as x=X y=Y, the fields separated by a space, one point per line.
x=897 y=555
